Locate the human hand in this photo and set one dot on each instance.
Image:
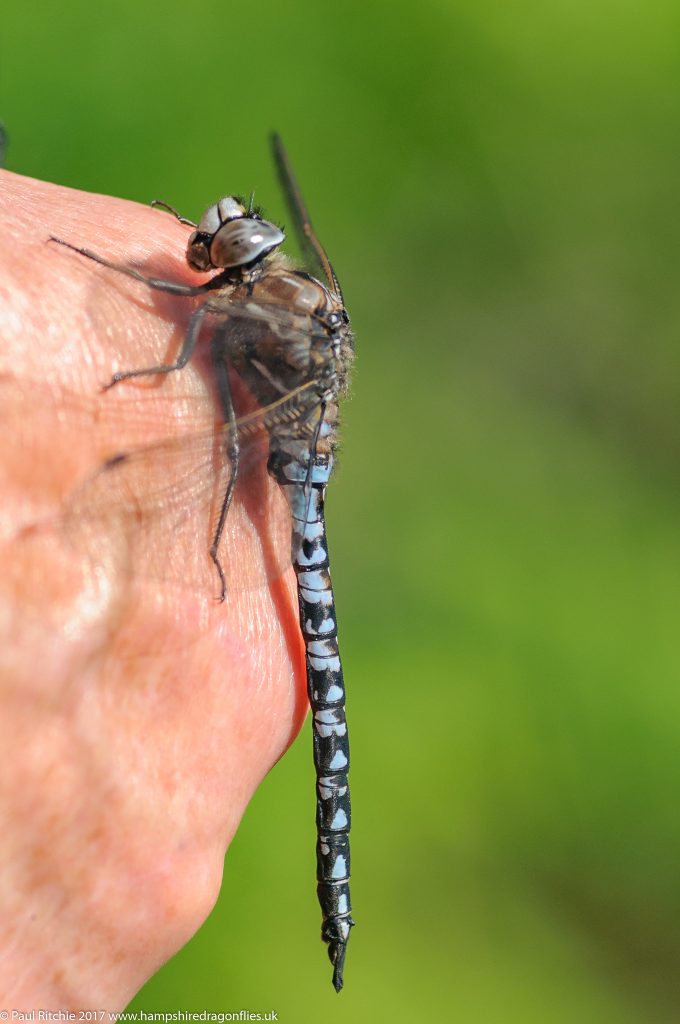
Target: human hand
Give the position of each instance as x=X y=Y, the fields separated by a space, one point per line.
x=136 y=720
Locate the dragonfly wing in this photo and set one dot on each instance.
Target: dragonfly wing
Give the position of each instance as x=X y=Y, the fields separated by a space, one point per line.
x=153 y=512
x=147 y=511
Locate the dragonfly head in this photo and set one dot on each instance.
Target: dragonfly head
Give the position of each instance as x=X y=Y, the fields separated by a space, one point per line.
x=229 y=236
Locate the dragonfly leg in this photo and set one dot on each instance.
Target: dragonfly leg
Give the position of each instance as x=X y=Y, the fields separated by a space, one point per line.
x=232 y=450
x=171 y=209
x=153 y=282
x=186 y=352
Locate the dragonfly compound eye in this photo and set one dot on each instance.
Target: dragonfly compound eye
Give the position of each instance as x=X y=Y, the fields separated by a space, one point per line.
x=230 y=208
x=244 y=240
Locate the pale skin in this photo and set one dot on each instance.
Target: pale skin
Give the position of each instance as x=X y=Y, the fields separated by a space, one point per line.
x=136 y=719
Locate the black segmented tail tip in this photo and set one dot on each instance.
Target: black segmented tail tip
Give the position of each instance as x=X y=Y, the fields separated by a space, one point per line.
x=336 y=953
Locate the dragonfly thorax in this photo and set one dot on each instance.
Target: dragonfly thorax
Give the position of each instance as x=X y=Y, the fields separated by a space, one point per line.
x=228 y=236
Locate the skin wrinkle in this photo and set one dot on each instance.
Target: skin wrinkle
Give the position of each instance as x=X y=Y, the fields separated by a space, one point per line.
x=137 y=719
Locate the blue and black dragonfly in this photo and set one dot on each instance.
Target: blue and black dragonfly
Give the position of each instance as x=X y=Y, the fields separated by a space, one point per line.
x=281 y=348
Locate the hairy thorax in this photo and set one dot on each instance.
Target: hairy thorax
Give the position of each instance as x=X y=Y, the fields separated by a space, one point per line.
x=291 y=346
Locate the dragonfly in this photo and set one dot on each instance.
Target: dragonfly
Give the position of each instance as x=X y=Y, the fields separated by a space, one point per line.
x=281 y=347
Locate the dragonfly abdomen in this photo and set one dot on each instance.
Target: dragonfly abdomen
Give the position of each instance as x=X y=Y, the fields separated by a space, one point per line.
x=326 y=691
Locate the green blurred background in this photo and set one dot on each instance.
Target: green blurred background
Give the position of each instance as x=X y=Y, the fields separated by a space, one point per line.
x=498 y=188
